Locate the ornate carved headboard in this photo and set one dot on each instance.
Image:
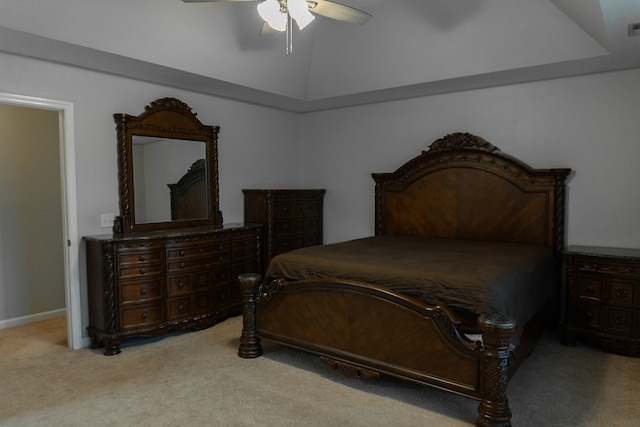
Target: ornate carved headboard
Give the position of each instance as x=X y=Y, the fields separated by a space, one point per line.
x=464 y=187
x=186 y=195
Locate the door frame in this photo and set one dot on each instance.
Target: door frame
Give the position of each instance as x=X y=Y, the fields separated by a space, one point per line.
x=69 y=208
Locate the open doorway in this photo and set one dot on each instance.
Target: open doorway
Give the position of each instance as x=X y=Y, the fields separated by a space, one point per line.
x=60 y=223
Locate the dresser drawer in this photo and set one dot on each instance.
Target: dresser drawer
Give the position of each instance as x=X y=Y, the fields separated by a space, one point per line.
x=180 y=285
x=134 y=292
x=141 y=316
x=307 y=225
x=282 y=244
x=622 y=292
x=139 y=271
x=139 y=257
x=180 y=307
x=587 y=314
x=281 y=228
x=198 y=263
x=621 y=321
x=222 y=297
x=181 y=252
x=589 y=286
x=243 y=248
x=221 y=275
x=282 y=210
x=311 y=240
x=606 y=266
x=307 y=209
x=203 y=303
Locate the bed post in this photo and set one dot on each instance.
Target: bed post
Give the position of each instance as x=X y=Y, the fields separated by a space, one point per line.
x=497 y=331
x=250 y=346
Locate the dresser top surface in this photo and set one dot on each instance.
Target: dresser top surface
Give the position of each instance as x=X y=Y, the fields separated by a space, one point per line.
x=611 y=252
x=187 y=231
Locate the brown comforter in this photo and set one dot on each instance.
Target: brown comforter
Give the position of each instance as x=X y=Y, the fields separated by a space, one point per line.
x=480 y=277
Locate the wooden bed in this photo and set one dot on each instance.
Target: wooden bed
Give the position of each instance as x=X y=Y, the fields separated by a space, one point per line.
x=463 y=189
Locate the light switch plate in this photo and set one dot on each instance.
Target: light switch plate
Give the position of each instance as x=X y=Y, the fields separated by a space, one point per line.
x=106 y=220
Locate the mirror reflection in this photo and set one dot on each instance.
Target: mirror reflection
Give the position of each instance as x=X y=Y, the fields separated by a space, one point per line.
x=164 y=166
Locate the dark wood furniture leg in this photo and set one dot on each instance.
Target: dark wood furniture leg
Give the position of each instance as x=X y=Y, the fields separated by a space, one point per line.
x=250 y=346
x=493 y=410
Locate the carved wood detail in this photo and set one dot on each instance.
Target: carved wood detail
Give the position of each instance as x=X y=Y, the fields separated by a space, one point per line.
x=250 y=346
x=349 y=370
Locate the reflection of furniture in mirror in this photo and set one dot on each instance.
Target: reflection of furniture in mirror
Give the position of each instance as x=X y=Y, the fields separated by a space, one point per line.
x=157 y=162
x=155 y=148
x=157 y=273
x=186 y=195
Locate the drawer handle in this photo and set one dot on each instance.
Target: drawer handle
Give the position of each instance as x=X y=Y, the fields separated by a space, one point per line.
x=180 y=285
x=143 y=291
x=221 y=247
x=142 y=258
x=221 y=258
x=620 y=320
x=143 y=271
x=181 y=307
x=144 y=315
x=183 y=264
x=590 y=289
x=181 y=253
x=622 y=293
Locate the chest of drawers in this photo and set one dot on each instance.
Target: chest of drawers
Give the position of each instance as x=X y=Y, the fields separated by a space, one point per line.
x=603 y=298
x=145 y=284
x=291 y=219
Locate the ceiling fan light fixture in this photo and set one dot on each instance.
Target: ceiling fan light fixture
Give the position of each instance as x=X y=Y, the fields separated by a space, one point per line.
x=269 y=10
x=299 y=10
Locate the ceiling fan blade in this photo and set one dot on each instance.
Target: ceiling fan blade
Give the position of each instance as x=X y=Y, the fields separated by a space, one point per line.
x=212 y=1
x=338 y=11
x=267 y=30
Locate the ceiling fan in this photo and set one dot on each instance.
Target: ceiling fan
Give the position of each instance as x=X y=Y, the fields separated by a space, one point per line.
x=279 y=14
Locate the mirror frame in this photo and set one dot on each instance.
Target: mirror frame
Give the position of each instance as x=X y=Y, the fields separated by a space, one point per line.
x=166 y=118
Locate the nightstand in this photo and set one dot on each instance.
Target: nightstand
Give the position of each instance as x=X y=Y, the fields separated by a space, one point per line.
x=602 y=297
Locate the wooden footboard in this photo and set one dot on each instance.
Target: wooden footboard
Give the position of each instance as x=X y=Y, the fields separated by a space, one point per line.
x=373 y=330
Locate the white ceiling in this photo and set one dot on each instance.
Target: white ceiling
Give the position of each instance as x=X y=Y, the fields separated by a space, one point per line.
x=409 y=48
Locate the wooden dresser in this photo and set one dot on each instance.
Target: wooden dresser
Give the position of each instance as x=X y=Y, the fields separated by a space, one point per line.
x=603 y=298
x=291 y=219
x=146 y=283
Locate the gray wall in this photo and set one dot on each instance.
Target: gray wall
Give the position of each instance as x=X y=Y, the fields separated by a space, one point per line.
x=258 y=146
x=588 y=123
x=31 y=238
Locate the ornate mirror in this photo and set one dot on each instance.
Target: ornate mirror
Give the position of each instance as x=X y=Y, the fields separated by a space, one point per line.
x=167 y=169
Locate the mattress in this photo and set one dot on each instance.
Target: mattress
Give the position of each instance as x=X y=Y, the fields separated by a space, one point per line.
x=480 y=277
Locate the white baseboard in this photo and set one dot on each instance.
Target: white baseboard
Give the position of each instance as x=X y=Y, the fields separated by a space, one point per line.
x=17 y=321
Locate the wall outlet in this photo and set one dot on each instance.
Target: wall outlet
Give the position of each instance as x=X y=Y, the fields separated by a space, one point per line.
x=106 y=220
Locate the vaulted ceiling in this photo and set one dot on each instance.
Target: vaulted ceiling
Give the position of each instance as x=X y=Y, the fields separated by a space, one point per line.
x=409 y=48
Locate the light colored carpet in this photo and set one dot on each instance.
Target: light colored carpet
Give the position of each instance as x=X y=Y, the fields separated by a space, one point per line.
x=197 y=379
